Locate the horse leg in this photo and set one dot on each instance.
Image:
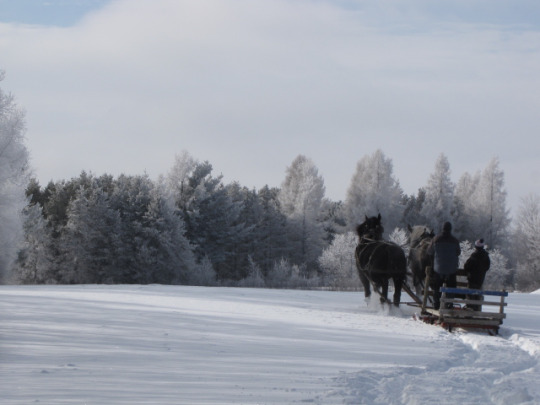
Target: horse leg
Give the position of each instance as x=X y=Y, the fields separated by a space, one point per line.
x=383 y=283
x=365 y=283
x=398 y=282
x=413 y=267
x=418 y=282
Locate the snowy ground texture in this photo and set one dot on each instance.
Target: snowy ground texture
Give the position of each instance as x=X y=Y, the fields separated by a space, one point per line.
x=191 y=345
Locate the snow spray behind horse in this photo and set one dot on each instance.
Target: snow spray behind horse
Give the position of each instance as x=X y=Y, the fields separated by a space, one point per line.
x=419 y=259
x=377 y=260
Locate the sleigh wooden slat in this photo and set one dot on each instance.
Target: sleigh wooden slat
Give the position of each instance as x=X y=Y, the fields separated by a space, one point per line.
x=469 y=314
x=458 y=307
x=459 y=316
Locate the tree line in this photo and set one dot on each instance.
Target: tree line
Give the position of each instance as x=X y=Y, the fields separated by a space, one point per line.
x=189 y=227
x=185 y=228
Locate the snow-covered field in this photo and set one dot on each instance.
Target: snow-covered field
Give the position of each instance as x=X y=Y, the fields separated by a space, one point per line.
x=196 y=345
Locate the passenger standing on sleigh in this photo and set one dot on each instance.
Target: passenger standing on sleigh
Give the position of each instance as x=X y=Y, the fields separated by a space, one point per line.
x=476 y=268
x=445 y=250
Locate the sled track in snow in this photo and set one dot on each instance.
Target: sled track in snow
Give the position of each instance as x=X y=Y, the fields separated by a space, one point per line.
x=472 y=374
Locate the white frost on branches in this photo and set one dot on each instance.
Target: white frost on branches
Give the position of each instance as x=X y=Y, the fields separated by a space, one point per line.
x=13 y=178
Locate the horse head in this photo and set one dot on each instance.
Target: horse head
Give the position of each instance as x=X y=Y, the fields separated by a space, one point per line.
x=371 y=228
x=418 y=233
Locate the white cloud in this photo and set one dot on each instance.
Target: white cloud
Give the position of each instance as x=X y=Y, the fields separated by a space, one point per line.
x=248 y=85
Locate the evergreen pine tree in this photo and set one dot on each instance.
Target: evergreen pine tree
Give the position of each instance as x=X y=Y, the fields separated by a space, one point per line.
x=34 y=263
x=91 y=241
x=165 y=252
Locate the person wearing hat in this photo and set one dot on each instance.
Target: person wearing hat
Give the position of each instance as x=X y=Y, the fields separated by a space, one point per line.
x=476 y=268
x=445 y=250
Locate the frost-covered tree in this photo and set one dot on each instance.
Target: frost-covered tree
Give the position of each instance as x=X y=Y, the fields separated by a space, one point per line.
x=400 y=237
x=413 y=208
x=467 y=249
x=492 y=216
x=480 y=206
x=374 y=190
x=270 y=233
x=13 y=179
x=165 y=250
x=286 y=275
x=264 y=229
x=102 y=230
x=464 y=207
x=177 y=180
x=301 y=198
x=338 y=264
x=52 y=203
x=527 y=243
x=203 y=274
x=245 y=241
x=333 y=219
x=34 y=263
x=255 y=277
x=210 y=214
x=437 y=207
x=280 y=274
x=91 y=240
x=499 y=275
x=131 y=196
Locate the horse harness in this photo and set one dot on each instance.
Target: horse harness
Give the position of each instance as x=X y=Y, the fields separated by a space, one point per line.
x=365 y=245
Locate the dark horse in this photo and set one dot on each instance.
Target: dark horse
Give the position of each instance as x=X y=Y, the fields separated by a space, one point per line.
x=419 y=259
x=378 y=260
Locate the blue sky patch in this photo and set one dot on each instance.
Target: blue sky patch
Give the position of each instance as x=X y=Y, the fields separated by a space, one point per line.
x=61 y=13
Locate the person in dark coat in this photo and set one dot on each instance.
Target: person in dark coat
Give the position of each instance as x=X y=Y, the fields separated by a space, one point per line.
x=476 y=268
x=445 y=250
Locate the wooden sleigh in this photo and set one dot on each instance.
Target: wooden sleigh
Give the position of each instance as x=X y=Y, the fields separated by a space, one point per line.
x=456 y=303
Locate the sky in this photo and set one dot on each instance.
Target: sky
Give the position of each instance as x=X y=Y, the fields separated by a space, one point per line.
x=123 y=86
x=197 y=345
